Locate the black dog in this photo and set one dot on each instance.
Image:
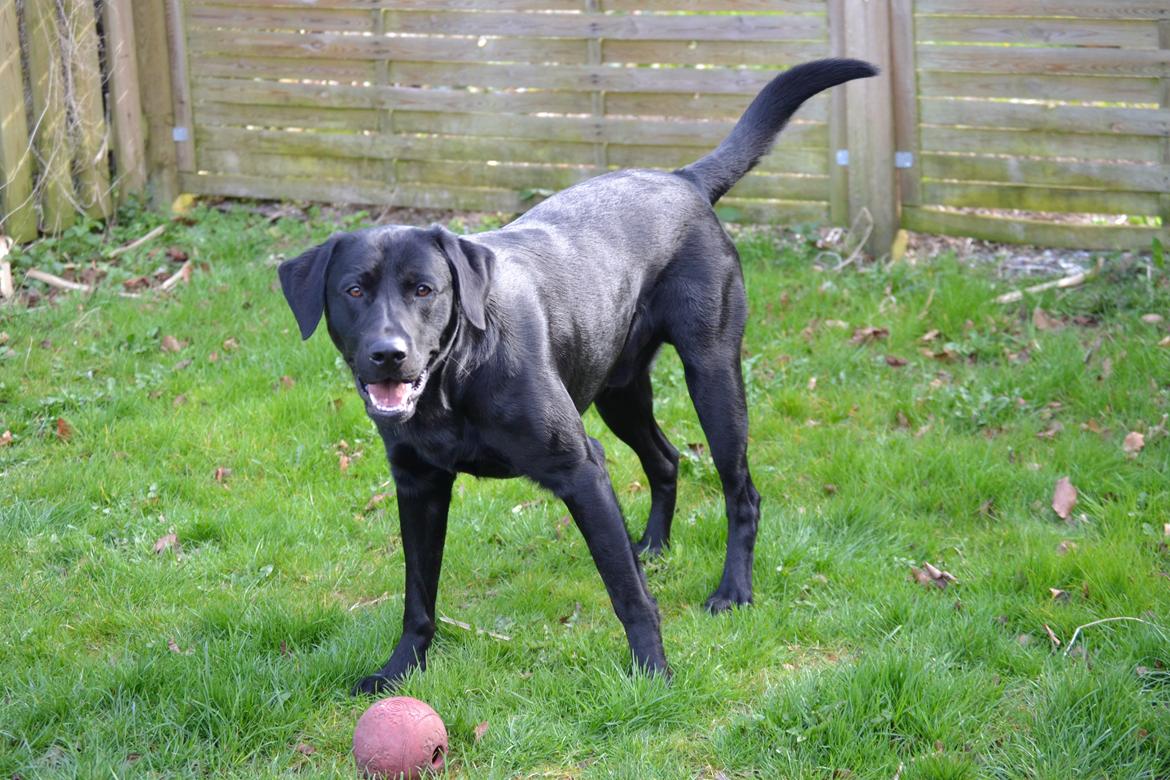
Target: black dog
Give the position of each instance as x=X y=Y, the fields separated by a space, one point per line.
x=478 y=354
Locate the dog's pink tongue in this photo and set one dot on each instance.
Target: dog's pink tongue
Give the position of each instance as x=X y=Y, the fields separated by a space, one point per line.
x=388 y=395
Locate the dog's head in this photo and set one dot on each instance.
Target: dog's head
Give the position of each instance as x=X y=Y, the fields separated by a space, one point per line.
x=392 y=299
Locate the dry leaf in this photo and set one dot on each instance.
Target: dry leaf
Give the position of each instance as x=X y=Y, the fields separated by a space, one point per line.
x=480 y=730
x=1133 y=443
x=64 y=429
x=1064 y=498
x=1051 y=432
x=305 y=749
x=343 y=461
x=893 y=361
x=230 y=344
x=166 y=542
x=1164 y=342
x=525 y=505
x=5 y=438
x=930 y=575
x=287 y=382
x=812 y=383
x=1152 y=319
x=1058 y=594
x=929 y=336
x=213 y=357
x=377 y=499
x=172 y=344
x=180 y=399
x=868 y=334
x=183 y=364
x=173 y=646
x=1051 y=636
x=1065 y=547
x=222 y=473
x=1042 y=321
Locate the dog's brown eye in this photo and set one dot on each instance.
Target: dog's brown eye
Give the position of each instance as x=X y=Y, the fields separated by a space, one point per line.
x=422 y=291
x=354 y=292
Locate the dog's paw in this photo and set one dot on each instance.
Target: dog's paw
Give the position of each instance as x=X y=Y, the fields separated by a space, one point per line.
x=373 y=685
x=650 y=547
x=722 y=601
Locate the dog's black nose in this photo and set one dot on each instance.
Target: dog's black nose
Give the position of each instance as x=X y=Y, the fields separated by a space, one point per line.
x=388 y=352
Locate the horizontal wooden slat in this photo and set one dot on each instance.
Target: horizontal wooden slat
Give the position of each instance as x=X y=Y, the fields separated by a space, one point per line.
x=395 y=147
x=799 y=161
x=300 y=68
x=1010 y=85
x=700 y=106
x=1077 y=119
x=1064 y=32
x=264 y=43
x=362 y=192
x=374 y=5
x=785 y=161
x=1060 y=60
x=772 y=212
x=244 y=161
x=653 y=27
x=592 y=129
x=251 y=93
x=692 y=6
x=1126 y=177
x=248 y=92
x=235 y=115
x=465 y=198
x=1089 y=9
x=1013 y=230
x=244 y=17
x=732 y=53
x=520 y=177
x=1046 y=199
x=1022 y=143
x=723 y=80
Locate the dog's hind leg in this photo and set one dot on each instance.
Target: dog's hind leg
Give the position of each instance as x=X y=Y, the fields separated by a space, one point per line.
x=629 y=413
x=709 y=347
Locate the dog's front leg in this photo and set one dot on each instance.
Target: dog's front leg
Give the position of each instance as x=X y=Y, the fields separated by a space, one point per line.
x=586 y=489
x=424 y=496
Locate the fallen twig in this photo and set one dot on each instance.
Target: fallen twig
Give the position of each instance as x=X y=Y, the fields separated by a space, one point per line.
x=7 y=290
x=56 y=281
x=469 y=627
x=368 y=602
x=1064 y=282
x=1106 y=620
x=153 y=234
x=182 y=275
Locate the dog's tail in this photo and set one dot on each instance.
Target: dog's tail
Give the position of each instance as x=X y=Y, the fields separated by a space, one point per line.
x=753 y=135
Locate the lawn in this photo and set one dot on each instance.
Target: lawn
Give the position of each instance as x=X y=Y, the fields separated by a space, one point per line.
x=199 y=552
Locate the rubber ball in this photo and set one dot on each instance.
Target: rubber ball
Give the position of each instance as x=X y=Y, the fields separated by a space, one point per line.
x=399 y=737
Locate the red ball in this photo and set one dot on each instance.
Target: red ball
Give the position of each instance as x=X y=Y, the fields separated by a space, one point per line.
x=399 y=737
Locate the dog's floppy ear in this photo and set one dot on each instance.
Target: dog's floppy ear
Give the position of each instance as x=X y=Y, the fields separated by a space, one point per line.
x=471 y=269
x=303 y=281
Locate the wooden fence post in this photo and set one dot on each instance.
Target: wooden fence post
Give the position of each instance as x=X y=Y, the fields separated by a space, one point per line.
x=51 y=138
x=154 y=58
x=871 y=123
x=91 y=153
x=125 y=104
x=18 y=217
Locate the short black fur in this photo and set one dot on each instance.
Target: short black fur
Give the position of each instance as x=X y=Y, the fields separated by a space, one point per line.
x=478 y=354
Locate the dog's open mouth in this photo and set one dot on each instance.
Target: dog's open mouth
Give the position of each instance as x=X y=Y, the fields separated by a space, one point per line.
x=392 y=399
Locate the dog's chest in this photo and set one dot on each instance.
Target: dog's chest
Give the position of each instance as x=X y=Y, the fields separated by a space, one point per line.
x=454 y=447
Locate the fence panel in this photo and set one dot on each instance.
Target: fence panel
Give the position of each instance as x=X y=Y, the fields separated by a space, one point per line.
x=1043 y=122
x=466 y=104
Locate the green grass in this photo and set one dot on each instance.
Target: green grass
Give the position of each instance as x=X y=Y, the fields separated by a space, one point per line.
x=221 y=658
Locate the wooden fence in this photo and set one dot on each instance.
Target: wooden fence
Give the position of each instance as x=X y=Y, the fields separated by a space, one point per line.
x=1040 y=121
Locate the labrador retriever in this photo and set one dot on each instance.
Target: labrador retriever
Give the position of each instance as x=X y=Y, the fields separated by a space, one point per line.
x=478 y=354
